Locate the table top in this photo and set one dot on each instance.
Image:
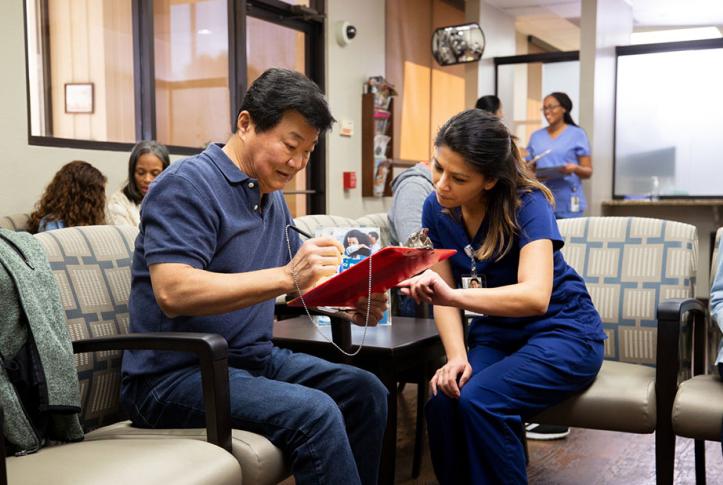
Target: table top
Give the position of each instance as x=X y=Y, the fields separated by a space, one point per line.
x=663 y=203
x=403 y=332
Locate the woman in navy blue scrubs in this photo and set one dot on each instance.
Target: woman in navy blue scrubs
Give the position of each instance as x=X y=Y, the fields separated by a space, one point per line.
x=540 y=339
x=562 y=150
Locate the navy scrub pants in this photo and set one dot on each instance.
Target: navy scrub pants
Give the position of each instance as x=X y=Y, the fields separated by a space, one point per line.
x=478 y=438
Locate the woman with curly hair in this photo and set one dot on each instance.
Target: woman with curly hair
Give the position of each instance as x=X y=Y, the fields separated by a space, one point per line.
x=148 y=159
x=75 y=197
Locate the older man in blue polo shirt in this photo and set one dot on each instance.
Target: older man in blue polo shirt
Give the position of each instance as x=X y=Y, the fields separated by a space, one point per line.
x=211 y=256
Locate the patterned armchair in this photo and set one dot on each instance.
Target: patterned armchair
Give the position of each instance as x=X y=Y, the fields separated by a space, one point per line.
x=640 y=274
x=92 y=269
x=698 y=405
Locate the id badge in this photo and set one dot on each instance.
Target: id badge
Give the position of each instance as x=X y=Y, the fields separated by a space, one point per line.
x=574 y=203
x=473 y=281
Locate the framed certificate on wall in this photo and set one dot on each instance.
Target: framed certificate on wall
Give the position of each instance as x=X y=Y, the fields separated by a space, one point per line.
x=79 y=98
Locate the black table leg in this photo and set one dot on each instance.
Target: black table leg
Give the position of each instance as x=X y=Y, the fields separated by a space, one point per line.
x=389 y=447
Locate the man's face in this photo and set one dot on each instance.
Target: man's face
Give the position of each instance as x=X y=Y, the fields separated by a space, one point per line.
x=275 y=156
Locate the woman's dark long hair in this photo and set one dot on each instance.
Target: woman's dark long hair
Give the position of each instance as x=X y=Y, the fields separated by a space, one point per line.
x=131 y=189
x=76 y=196
x=489 y=103
x=488 y=147
x=566 y=103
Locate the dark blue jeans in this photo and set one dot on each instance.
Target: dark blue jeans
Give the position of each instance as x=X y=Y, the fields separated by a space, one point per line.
x=477 y=439
x=328 y=419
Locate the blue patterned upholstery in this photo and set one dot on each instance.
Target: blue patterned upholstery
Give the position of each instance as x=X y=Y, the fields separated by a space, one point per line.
x=92 y=266
x=630 y=265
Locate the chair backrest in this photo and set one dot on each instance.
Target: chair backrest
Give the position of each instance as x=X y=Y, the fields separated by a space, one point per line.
x=312 y=222
x=15 y=222
x=92 y=266
x=714 y=333
x=630 y=265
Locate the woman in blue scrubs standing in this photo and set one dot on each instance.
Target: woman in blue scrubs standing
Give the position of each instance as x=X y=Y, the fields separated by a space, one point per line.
x=561 y=152
x=540 y=339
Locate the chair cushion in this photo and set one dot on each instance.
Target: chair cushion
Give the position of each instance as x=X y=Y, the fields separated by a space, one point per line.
x=136 y=461
x=261 y=461
x=698 y=408
x=622 y=398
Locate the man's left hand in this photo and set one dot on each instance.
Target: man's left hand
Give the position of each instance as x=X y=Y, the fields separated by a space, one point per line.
x=378 y=306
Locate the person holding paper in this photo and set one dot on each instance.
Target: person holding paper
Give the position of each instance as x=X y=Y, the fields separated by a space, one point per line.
x=213 y=252
x=560 y=155
x=540 y=339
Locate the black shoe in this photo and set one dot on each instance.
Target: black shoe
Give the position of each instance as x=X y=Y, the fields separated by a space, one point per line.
x=536 y=431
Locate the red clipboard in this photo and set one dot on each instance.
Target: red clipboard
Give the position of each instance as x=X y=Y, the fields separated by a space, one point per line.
x=390 y=265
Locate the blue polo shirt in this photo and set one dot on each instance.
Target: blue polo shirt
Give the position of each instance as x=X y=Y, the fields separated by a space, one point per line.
x=566 y=148
x=570 y=310
x=205 y=212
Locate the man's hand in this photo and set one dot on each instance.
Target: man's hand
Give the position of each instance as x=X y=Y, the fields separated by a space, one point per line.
x=376 y=311
x=451 y=377
x=428 y=287
x=315 y=259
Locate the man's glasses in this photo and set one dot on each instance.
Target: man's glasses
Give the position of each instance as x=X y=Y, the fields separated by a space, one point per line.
x=549 y=108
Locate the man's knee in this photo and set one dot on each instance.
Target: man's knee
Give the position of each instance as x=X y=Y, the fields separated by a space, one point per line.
x=369 y=390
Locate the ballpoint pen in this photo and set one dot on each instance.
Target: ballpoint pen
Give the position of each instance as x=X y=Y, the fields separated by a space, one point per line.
x=300 y=231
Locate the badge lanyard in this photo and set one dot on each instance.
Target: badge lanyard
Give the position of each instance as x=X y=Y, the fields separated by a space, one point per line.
x=473 y=260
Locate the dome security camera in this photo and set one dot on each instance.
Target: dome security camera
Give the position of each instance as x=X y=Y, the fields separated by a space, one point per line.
x=345 y=32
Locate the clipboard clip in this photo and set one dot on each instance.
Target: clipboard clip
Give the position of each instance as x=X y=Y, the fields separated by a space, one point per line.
x=419 y=239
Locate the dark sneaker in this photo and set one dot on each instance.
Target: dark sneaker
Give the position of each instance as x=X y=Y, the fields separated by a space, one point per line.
x=536 y=431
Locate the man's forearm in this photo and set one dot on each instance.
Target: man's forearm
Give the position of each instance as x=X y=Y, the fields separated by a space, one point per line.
x=183 y=290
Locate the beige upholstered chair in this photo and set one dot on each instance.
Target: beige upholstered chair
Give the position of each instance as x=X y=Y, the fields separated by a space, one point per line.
x=631 y=266
x=92 y=268
x=15 y=222
x=698 y=406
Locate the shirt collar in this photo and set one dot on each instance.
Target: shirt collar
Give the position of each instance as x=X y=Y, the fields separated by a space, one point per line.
x=229 y=169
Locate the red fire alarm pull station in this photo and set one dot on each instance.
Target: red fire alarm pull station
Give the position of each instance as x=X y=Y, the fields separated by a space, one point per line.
x=349 y=180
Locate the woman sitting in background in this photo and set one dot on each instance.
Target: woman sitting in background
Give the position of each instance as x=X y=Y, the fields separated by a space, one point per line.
x=75 y=197
x=148 y=159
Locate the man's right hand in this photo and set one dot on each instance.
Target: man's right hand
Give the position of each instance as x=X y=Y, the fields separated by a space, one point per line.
x=316 y=258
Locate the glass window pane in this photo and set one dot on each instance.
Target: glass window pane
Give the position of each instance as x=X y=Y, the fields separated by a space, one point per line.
x=80 y=69
x=669 y=113
x=271 y=45
x=522 y=87
x=191 y=65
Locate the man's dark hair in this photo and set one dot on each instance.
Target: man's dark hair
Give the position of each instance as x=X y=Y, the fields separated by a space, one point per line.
x=277 y=91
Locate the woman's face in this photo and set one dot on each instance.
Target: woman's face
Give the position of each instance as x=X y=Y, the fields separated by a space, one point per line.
x=456 y=183
x=148 y=168
x=552 y=110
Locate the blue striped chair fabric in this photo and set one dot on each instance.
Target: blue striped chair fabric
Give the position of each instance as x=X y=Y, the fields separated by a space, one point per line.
x=630 y=265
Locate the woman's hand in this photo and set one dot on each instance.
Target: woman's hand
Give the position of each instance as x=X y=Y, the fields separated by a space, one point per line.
x=451 y=377
x=429 y=287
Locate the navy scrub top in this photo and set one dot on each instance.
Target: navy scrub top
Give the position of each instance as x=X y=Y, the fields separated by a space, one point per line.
x=570 y=311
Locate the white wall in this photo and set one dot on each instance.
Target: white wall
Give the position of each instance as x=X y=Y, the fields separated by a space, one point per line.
x=347 y=68
x=500 y=40
x=27 y=169
x=603 y=25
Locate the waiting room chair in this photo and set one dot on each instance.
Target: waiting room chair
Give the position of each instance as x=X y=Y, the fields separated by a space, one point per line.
x=92 y=268
x=698 y=406
x=633 y=267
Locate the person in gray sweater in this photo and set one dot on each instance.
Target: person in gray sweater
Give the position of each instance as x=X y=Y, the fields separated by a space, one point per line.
x=410 y=188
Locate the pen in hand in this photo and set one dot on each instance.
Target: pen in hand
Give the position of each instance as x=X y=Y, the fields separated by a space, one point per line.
x=300 y=231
